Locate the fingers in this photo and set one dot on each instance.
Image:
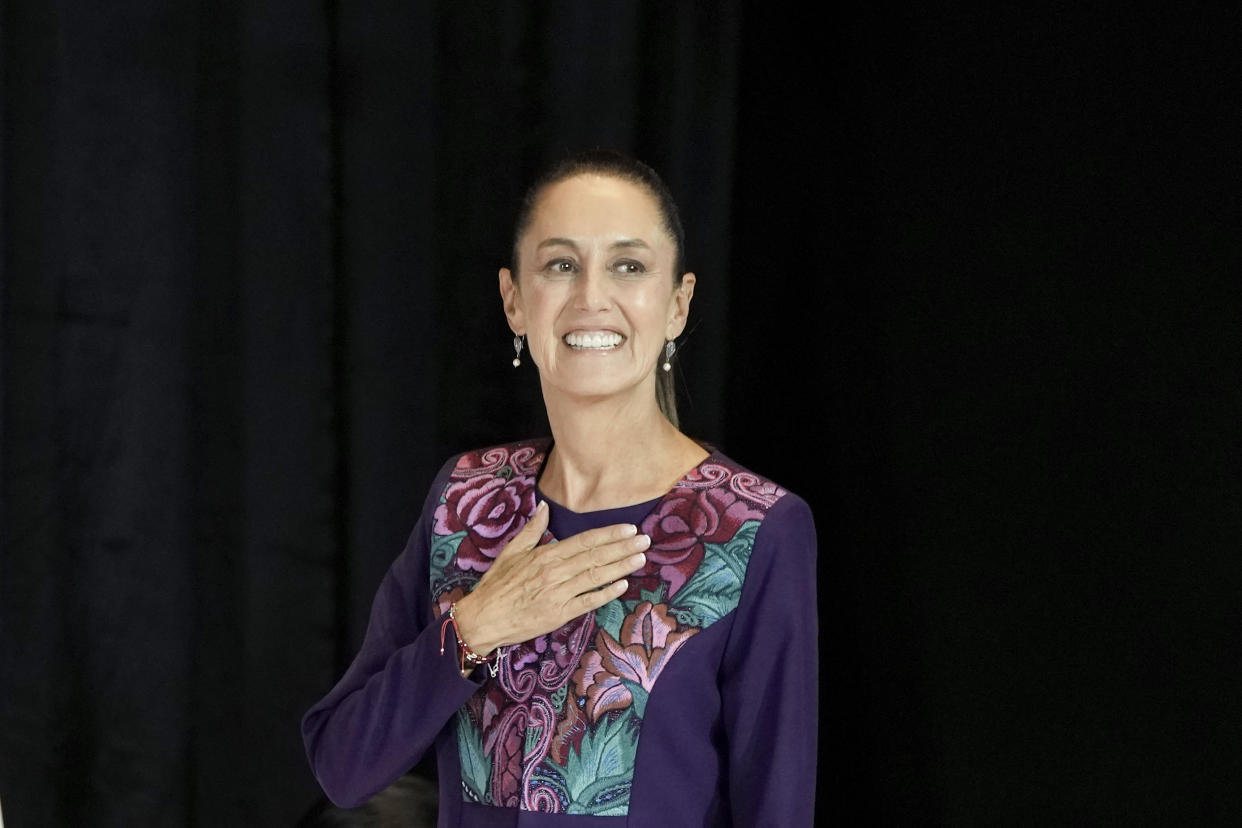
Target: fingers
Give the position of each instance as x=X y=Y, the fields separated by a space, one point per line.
x=593 y=539
x=603 y=566
x=593 y=600
x=531 y=589
x=538 y=522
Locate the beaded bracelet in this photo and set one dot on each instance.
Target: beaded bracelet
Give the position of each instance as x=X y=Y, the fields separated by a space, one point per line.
x=469 y=658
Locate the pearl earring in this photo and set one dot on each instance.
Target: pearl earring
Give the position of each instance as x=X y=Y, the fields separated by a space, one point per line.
x=517 y=351
x=669 y=350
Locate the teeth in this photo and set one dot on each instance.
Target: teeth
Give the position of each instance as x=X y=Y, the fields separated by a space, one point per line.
x=598 y=340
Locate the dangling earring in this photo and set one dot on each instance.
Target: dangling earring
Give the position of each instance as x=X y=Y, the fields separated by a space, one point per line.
x=669 y=350
x=517 y=351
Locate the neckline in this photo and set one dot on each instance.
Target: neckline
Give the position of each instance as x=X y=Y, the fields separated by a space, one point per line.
x=712 y=454
x=646 y=505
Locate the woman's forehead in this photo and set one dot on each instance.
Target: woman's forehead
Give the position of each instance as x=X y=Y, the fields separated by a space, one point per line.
x=593 y=206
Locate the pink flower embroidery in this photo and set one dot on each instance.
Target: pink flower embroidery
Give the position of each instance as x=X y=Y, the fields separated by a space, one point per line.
x=491 y=510
x=649 y=637
x=559 y=641
x=721 y=513
x=679 y=527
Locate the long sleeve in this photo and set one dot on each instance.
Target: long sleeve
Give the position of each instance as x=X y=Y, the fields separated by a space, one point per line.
x=770 y=676
x=399 y=692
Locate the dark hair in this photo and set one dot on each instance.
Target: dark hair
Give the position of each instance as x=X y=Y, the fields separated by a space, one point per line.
x=613 y=164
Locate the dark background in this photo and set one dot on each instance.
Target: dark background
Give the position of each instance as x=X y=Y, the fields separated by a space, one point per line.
x=968 y=278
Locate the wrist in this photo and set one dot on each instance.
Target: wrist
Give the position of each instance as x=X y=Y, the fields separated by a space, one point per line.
x=469 y=634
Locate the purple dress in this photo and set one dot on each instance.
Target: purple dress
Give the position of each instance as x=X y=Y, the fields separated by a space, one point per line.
x=691 y=700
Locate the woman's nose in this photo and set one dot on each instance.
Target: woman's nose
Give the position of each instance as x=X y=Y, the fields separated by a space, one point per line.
x=592 y=289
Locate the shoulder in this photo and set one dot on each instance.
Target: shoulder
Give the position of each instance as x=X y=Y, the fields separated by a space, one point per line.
x=774 y=500
x=780 y=574
x=785 y=518
x=522 y=457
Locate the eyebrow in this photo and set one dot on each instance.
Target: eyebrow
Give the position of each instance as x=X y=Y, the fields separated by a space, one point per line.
x=558 y=241
x=630 y=243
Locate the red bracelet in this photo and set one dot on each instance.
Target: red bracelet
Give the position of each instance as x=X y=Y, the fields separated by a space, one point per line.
x=469 y=658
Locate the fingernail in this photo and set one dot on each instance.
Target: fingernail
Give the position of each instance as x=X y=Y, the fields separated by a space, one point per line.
x=644 y=541
x=543 y=504
x=629 y=531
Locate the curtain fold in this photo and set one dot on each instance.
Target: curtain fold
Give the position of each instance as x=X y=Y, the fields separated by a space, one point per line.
x=966 y=282
x=250 y=306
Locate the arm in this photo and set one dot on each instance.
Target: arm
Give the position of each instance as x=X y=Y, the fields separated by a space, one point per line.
x=770 y=679
x=398 y=693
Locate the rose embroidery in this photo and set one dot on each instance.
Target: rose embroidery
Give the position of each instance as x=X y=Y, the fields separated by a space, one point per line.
x=490 y=510
x=721 y=513
x=679 y=527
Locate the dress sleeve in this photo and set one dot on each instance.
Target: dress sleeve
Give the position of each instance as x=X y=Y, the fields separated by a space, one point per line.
x=770 y=676
x=399 y=692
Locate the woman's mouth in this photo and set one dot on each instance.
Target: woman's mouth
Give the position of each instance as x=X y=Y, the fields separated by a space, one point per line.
x=593 y=340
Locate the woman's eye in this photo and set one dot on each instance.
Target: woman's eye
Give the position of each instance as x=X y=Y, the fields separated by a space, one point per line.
x=629 y=267
x=560 y=266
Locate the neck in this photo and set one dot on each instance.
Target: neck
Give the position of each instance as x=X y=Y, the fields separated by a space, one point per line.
x=609 y=453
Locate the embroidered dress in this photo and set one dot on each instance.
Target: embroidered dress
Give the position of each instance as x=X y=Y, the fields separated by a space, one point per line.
x=689 y=700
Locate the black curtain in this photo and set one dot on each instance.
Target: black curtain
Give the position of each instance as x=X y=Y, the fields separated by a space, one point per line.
x=967 y=279
x=988 y=257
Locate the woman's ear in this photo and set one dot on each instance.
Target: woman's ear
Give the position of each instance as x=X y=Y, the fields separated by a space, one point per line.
x=680 y=307
x=512 y=297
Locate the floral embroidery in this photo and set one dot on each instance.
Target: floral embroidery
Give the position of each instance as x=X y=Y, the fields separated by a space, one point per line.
x=679 y=527
x=490 y=510
x=615 y=672
x=557 y=728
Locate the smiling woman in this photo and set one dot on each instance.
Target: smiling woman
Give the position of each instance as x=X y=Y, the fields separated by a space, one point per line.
x=614 y=622
x=597 y=292
x=602 y=168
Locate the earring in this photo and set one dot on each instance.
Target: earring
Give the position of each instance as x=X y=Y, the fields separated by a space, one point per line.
x=669 y=350
x=517 y=351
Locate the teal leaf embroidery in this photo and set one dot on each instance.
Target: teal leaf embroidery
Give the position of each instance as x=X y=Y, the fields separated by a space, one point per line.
x=639 y=694
x=443 y=548
x=609 y=796
x=598 y=774
x=715 y=588
x=532 y=739
x=610 y=616
x=558 y=698
x=476 y=768
x=655 y=596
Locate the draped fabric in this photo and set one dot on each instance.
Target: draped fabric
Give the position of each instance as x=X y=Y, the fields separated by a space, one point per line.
x=251 y=259
x=964 y=278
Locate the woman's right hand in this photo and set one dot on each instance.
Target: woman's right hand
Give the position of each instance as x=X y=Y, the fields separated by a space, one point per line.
x=530 y=590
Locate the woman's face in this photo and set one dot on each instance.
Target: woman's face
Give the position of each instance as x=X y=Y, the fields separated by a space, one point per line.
x=596 y=297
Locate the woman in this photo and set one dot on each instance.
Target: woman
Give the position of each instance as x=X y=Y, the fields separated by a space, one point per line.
x=617 y=622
